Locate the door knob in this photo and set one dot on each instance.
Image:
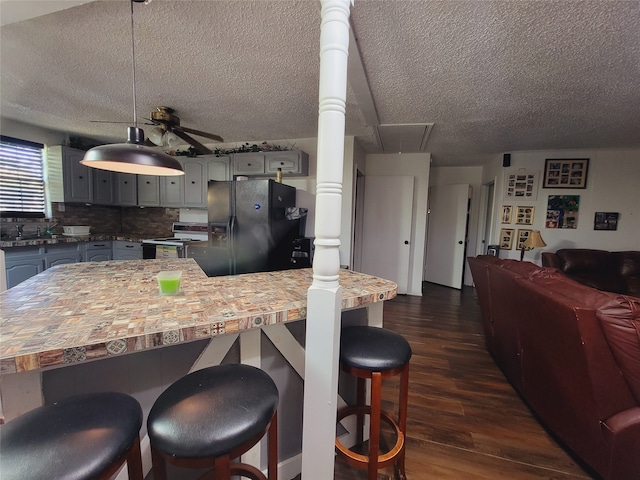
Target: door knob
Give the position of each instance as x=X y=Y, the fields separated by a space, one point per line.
x=406 y=242
x=460 y=242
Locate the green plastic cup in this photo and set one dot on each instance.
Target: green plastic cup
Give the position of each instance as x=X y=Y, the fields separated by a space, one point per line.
x=169 y=282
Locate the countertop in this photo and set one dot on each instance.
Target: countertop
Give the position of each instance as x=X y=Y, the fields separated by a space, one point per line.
x=83 y=311
x=64 y=239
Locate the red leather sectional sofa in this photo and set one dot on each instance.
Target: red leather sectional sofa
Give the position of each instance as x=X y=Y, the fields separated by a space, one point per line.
x=617 y=272
x=572 y=352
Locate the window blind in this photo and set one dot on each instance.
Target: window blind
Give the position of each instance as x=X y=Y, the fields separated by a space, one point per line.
x=21 y=176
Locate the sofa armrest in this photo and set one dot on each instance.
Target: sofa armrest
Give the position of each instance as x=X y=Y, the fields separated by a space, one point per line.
x=550 y=259
x=622 y=433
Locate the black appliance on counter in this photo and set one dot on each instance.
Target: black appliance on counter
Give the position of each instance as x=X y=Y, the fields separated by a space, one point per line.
x=302 y=252
x=249 y=228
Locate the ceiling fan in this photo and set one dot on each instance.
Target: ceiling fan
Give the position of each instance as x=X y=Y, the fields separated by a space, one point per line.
x=168 y=130
x=167 y=123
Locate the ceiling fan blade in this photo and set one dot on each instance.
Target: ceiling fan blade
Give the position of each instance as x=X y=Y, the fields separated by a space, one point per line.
x=196 y=144
x=212 y=136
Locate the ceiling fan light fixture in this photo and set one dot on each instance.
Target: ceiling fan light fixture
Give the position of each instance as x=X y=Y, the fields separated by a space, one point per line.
x=132 y=157
x=156 y=135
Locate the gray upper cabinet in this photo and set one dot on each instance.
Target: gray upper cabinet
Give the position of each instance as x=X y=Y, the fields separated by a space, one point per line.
x=292 y=163
x=172 y=189
x=103 y=187
x=126 y=189
x=219 y=168
x=248 y=164
x=69 y=180
x=148 y=190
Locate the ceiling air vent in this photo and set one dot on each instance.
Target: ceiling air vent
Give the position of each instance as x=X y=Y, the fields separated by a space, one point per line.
x=404 y=137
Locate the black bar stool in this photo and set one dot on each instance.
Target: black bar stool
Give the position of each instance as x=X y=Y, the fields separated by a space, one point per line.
x=212 y=416
x=375 y=353
x=83 y=437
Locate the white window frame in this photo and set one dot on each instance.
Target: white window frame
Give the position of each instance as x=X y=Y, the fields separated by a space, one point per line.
x=22 y=178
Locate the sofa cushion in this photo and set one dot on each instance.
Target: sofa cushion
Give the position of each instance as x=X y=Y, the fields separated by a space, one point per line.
x=521 y=268
x=577 y=292
x=628 y=263
x=633 y=285
x=575 y=260
x=620 y=320
x=602 y=280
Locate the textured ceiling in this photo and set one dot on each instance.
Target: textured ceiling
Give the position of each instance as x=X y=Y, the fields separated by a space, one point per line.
x=492 y=76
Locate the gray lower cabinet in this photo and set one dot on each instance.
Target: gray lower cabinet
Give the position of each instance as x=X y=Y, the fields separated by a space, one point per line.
x=22 y=263
x=61 y=253
x=124 y=250
x=98 y=251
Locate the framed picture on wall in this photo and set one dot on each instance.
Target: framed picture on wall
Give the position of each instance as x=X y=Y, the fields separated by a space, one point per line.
x=605 y=221
x=506 y=238
x=524 y=215
x=521 y=185
x=506 y=213
x=523 y=234
x=565 y=173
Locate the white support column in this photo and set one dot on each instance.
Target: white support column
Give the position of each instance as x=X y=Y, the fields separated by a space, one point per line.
x=325 y=295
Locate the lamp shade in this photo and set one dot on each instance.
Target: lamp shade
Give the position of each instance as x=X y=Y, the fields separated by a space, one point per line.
x=132 y=157
x=534 y=241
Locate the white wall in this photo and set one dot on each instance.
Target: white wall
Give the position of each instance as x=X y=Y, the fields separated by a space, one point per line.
x=473 y=177
x=416 y=165
x=23 y=131
x=613 y=184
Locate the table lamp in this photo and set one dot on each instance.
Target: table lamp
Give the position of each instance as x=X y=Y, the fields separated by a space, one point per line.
x=534 y=240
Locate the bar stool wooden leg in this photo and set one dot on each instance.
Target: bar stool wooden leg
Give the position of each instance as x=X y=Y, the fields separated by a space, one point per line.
x=134 y=461
x=402 y=418
x=374 y=429
x=273 y=448
x=223 y=467
x=360 y=399
x=158 y=465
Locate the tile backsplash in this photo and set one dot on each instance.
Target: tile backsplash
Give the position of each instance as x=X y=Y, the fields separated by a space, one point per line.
x=137 y=222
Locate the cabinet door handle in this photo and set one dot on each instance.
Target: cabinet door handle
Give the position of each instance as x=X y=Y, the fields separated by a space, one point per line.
x=99 y=245
x=125 y=182
x=148 y=183
x=173 y=183
x=80 y=177
x=193 y=183
x=128 y=246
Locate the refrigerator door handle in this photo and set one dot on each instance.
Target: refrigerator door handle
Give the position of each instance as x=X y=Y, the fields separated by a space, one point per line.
x=231 y=241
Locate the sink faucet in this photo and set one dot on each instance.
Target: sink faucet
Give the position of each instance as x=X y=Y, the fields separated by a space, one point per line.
x=20 y=229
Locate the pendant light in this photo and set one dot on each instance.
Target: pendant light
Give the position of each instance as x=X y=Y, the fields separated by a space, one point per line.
x=132 y=156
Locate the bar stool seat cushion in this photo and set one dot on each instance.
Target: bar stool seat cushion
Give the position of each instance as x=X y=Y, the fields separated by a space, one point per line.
x=374 y=349
x=77 y=438
x=211 y=411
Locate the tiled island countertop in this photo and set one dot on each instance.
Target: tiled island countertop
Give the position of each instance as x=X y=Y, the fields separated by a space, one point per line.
x=83 y=311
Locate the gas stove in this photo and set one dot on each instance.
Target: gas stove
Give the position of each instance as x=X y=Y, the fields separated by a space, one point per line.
x=185 y=233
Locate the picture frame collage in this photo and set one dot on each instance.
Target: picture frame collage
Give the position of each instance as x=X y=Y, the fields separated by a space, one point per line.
x=522 y=215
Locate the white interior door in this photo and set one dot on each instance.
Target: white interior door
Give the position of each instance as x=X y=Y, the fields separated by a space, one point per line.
x=447 y=234
x=388 y=211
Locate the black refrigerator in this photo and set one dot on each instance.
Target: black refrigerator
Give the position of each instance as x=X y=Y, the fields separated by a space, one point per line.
x=249 y=228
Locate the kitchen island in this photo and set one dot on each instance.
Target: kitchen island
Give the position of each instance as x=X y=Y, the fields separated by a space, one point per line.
x=77 y=313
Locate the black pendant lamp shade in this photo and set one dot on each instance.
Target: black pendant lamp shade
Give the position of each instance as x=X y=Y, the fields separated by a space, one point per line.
x=132 y=157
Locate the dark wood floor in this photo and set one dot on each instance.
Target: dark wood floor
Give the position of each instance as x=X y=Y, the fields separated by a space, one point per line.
x=465 y=421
